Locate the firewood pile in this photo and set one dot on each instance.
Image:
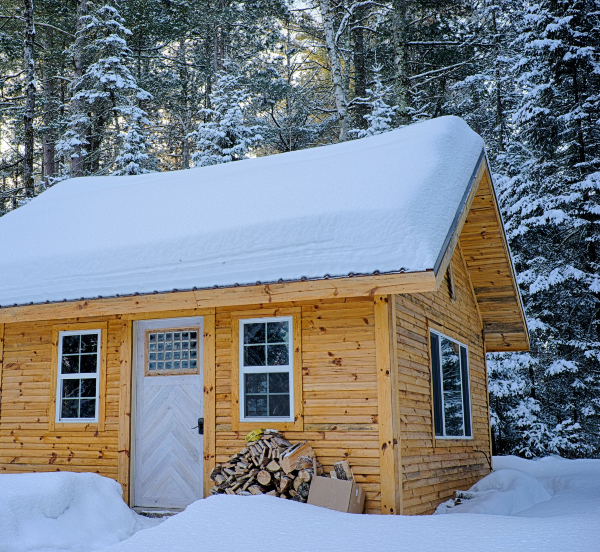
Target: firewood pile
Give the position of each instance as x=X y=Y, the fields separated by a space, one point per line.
x=270 y=465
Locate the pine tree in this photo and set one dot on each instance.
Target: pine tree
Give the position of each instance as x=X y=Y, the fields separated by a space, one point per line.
x=380 y=116
x=226 y=135
x=104 y=98
x=551 y=197
x=133 y=157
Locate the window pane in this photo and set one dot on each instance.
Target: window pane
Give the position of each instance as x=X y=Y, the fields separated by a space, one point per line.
x=279 y=383
x=88 y=408
x=89 y=364
x=438 y=412
x=70 y=388
x=453 y=407
x=277 y=355
x=466 y=395
x=254 y=333
x=88 y=387
x=89 y=343
x=279 y=405
x=70 y=408
x=256 y=383
x=69 y=364
x=254 y=355
x=70 y=344
x=256 y=406
x=277 y=332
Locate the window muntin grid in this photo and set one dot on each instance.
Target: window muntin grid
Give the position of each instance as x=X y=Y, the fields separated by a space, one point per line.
x=266 y=371
x=172 y=351
x=78 y=376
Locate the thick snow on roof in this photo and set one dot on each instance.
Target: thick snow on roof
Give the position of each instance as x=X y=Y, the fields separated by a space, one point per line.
x=384 y=203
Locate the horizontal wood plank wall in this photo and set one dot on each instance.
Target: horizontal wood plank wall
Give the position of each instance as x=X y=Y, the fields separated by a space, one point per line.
x=26 y=442
x=433 y=468
x=339 y=386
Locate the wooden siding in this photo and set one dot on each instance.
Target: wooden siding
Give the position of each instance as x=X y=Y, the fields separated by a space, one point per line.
x=28 y=440
x=341 y=375
x=486 y=255
x=433 y=468
x=339 y=386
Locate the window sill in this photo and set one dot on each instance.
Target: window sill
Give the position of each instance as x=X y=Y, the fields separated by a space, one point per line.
x=78 y=426
x=453 y=441
x=246 y=426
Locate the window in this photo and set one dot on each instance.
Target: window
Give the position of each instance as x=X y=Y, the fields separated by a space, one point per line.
x=172 y=351
x=266 y=369
x=451 y=398
x=78 y=376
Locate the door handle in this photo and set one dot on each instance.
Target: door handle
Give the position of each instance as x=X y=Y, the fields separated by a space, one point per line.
x=200 y=426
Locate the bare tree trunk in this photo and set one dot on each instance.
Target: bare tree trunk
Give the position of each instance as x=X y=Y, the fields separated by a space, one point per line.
x=77 y=160
x=49 y=113
x=339 y=92
x=360 y=70
x=30 y=101
x=399 y=41
x=497 y=77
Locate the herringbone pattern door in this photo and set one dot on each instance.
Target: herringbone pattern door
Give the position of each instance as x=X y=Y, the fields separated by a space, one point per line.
x=168 y=451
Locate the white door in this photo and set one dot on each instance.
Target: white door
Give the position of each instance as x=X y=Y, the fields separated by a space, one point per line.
x=168 y=453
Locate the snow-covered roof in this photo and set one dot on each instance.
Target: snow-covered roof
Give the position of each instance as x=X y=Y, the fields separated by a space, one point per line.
x=385 y=203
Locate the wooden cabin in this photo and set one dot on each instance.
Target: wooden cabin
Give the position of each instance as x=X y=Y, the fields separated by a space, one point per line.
x=346 y=295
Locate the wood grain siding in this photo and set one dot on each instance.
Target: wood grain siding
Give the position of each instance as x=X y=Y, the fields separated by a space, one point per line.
x=433 y=468
x=486 y=255
x=27 y=442
x=339 y=386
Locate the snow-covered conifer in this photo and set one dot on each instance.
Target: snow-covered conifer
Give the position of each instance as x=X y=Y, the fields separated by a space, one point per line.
x=381 y=115
x=226 y=135
x=105 y=98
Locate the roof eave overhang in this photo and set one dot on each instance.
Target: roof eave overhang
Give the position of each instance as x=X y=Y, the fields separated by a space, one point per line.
x=453 y=237
x=132 y=306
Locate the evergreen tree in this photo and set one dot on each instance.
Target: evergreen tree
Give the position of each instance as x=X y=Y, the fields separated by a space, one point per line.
x=226 y=135
x=380 y=117
x=104 y=98
x=551 y=197
x=132 y=157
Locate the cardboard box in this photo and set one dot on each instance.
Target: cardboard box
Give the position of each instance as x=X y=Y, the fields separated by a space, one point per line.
x=337 y=494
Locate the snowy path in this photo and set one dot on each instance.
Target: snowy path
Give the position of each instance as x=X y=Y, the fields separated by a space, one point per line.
x=555 y=506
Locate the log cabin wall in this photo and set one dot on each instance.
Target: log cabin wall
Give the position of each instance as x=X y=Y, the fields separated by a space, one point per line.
x=433 y=468
x=339 y=386
x=29 y=440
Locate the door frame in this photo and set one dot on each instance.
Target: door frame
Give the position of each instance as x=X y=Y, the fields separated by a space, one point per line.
x=194 y=319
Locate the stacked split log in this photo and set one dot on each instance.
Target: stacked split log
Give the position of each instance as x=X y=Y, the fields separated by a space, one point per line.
x=271 y=465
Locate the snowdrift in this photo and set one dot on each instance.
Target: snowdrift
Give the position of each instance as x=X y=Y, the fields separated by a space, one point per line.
x=63 y=511
x=558 y=504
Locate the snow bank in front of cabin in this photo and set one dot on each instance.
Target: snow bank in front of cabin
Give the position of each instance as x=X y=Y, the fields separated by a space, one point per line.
x=60 y=511
x=550 y=486
x=383 y=203
x=565 y=518
x=505 y=492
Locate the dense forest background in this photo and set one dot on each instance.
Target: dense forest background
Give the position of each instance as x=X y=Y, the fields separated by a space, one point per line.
x=130 y=86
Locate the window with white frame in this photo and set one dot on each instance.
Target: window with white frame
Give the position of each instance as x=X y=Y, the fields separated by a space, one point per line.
x=450 y=378
x=78 y=384
x=266 y=369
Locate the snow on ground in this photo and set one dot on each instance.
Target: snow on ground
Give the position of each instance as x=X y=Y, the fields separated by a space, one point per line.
x=382 y=203
x=75 y=512
x=554 y=506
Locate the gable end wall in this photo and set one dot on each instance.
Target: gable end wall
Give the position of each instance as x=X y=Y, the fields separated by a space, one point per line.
x=433 y=468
